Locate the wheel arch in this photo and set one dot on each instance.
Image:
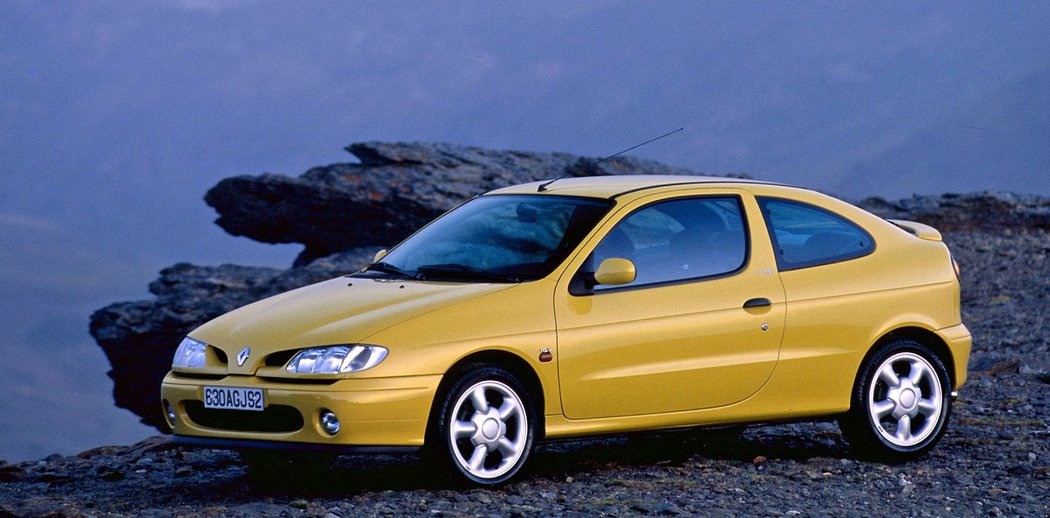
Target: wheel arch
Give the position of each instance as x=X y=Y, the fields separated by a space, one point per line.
x=919 y=334
x=501 y=358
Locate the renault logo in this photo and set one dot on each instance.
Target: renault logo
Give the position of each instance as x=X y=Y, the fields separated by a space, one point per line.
x=243 y=356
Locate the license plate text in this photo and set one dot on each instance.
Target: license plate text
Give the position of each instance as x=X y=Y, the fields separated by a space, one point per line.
x=234 y=398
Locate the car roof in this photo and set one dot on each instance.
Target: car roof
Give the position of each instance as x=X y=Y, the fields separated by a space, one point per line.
x=611 y=186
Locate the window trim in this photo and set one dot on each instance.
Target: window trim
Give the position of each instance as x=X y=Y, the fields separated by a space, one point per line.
x=577 y=286
x=781 y=266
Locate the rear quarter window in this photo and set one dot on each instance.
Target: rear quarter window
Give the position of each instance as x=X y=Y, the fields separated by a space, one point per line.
x=805 y=235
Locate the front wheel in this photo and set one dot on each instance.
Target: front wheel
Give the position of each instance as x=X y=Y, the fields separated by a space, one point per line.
x=901 y=403
x=486 y=425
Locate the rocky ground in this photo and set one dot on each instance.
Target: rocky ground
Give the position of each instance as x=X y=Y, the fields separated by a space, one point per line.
x=994 y=459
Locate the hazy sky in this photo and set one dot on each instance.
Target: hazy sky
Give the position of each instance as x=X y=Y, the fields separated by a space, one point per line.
x=116 y=117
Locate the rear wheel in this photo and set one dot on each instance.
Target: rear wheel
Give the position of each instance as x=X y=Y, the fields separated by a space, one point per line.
x=485 y=426
x=901 y=403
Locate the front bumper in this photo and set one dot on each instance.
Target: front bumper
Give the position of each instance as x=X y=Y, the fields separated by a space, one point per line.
x=255 y=444
x=380 y=412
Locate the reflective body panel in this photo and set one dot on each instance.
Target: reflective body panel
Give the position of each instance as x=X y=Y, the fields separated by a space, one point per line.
x=672 y=354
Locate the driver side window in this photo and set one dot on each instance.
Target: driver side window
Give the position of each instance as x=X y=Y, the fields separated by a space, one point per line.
x=677 y=240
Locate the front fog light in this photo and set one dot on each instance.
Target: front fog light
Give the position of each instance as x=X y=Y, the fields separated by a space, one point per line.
x=330 y=422
x=169 y=412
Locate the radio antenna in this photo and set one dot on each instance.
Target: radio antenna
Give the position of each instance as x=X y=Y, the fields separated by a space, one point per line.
x=543 y=186
x=668 y=134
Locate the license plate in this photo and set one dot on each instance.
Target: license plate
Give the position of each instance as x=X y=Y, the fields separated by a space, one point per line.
x=234 y=398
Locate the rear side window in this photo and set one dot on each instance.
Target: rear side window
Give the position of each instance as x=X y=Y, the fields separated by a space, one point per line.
x=677 y=240
x=805 y=235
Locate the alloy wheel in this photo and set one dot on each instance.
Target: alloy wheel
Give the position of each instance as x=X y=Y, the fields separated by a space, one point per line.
x=488 y=430
x=905 y=400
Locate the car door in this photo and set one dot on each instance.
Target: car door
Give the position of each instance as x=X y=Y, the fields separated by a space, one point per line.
x=700 y=326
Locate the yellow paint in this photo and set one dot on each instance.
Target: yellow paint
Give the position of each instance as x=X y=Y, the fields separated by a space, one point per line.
x=678 y=355
x=615 y=271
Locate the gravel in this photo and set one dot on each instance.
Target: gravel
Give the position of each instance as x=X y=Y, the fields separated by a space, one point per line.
x=993 y=460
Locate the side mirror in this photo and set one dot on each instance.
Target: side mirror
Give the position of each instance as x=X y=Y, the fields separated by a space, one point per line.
x=379 y=255
x=615 y=271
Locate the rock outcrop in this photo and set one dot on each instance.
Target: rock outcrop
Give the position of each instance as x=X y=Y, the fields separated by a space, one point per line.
x=396 y=189
x=343 y=213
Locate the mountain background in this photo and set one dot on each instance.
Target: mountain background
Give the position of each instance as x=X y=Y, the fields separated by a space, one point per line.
x=116 y=117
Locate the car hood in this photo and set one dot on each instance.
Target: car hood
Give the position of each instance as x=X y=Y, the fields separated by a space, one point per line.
x=339 y=311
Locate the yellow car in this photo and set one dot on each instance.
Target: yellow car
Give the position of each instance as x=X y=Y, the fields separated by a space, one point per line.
x=586 y=306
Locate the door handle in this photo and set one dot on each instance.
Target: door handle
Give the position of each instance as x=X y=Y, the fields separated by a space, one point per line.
x=757 y=303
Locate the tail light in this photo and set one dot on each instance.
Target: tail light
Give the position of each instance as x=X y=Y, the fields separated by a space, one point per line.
x=955 y=266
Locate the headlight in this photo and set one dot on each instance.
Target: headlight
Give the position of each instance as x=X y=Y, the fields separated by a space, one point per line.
x=190 y=354
x=336 y=359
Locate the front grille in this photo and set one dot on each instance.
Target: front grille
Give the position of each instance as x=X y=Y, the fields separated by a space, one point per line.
x=219 y=354
x=300 y=381
x=275 y=418
x=197 y=376
x=278 y=359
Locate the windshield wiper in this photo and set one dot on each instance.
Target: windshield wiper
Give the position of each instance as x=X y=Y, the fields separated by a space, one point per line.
x=394 y=270
x=464 y=271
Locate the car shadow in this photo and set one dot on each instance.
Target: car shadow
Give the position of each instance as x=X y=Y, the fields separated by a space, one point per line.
x=675 y=448
x=557 y=460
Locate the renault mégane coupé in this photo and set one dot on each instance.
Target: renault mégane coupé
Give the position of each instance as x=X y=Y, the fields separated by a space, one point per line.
x=586 y=306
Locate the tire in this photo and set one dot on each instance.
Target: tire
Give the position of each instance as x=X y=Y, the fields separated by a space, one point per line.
x=484 y=426
x=900 y=404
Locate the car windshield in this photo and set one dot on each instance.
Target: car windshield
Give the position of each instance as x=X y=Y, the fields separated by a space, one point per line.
x=495 y=238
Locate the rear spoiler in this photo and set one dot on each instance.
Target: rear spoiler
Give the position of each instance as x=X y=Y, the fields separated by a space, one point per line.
x=917 y=229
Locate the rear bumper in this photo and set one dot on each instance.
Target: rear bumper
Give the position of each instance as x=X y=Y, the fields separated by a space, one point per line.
x=959 y=342
x=381 y=412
